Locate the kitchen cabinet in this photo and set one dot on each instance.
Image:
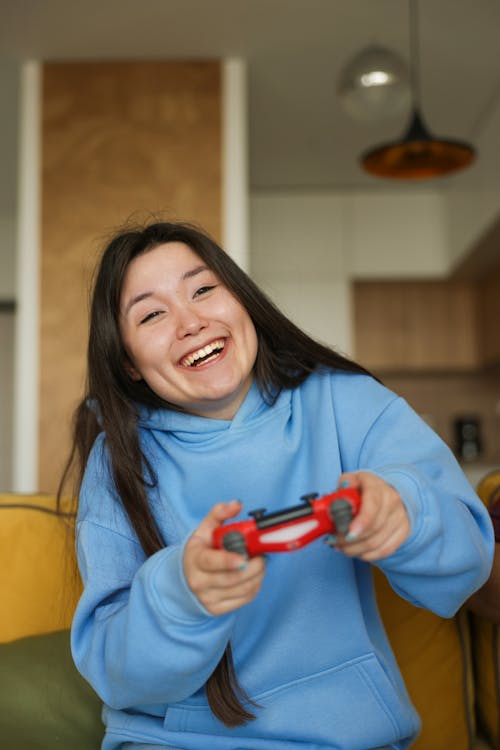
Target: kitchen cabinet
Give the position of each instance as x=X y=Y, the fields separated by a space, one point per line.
x=489 y=317
x=416 y=325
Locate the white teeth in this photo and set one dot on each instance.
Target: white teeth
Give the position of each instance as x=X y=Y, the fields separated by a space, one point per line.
x=203 y=352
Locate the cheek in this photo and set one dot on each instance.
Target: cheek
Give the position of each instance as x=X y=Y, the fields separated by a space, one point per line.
x=129 y=348
x=136 y=351
x=250 y=339
x=131 y=363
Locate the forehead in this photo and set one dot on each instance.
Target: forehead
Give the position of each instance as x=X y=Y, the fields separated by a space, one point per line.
x=169 y=254
x=170 y=260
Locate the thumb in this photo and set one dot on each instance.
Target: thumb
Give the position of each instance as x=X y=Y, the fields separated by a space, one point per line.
x=215 y=517
x=351 y=479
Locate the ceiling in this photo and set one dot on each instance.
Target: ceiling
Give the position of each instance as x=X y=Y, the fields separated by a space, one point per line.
x=300 y=138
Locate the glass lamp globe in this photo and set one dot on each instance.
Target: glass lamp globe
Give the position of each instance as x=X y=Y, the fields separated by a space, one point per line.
x=374 y=85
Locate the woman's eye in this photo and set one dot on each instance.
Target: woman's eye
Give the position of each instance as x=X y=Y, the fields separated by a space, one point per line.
x=204 y=290
x=150 y=316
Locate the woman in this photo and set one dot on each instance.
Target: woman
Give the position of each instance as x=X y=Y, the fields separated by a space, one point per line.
x=204 y=402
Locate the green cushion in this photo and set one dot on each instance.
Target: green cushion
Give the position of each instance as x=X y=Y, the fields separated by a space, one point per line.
x=44 y=701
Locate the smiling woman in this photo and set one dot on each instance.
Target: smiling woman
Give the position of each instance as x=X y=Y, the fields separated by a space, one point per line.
x=201 y=391
x=185 y=334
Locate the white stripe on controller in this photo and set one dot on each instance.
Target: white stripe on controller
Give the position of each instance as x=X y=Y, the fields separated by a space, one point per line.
x=288 y=533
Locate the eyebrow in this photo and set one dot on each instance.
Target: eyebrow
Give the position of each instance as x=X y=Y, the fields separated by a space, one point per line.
x=194 y=272
x=145 y=295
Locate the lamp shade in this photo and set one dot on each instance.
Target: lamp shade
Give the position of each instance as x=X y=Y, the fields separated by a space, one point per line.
x=374 y=85
x=418 y=155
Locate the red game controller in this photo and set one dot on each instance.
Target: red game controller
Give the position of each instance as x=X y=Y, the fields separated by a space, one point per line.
x=292 y=528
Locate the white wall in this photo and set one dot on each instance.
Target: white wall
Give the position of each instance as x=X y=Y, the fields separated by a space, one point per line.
x=473 y=196
x=297 y=257
x=306 y=248
x=396 y=233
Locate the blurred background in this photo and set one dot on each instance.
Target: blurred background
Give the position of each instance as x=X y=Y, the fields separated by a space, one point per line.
x=254 y=118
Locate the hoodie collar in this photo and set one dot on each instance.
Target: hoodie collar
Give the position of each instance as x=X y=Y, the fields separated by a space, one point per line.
x=180 y=422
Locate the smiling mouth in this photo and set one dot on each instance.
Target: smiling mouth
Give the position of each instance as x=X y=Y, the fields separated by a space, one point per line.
x=204 y=354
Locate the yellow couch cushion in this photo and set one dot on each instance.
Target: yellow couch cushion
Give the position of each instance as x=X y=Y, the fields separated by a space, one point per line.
x=435 y=660
x=38 y=575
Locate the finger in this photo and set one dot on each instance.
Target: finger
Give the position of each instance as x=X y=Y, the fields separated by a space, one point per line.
x=387 y=546
x=379 y=544
x=253 y=570
x=245 y=589
x=224 y=568
x=370 y=518
x=382 y=524
x=215 y=517
x=349 y=479
x=378 y=501
x=364 y=518
x=216 y=584
x=213 y=598
x=211 y=560
x=218 y=602
x=383 y=510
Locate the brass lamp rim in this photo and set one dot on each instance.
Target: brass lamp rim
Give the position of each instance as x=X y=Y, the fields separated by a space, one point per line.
x=418 y=155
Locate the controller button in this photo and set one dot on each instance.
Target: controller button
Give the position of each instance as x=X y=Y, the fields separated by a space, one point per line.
x=257 y=514
x=309 y=497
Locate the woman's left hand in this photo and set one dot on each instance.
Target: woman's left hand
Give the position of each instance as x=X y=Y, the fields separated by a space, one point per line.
x=382 y=523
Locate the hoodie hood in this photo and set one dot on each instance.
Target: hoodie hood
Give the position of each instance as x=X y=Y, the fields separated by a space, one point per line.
x=166 y=420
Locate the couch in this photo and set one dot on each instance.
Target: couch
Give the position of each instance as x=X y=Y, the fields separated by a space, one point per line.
x=450 y=665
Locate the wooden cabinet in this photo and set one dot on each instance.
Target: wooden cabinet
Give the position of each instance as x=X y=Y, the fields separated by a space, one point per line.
x=489 y=317
x=416 y=325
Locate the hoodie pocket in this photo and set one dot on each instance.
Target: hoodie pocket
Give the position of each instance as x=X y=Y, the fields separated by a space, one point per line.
x=349 y=706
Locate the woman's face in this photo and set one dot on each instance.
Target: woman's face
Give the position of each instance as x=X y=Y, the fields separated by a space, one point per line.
x=185 y=334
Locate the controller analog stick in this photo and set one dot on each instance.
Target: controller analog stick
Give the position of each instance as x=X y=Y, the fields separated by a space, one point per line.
x=341 y=515
x=234 y=541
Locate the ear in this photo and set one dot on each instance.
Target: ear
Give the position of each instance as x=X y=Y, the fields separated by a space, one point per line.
x=131 y=370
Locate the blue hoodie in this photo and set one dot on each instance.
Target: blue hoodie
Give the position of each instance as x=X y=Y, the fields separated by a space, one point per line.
x=310 y=648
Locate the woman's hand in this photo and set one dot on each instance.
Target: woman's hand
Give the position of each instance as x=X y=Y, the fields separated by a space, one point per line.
x=382 y=524
x=221 y=580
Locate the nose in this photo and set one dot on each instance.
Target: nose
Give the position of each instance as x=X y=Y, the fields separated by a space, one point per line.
x=189 y=322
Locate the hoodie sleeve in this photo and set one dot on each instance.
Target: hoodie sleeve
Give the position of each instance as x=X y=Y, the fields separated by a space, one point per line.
x=139 y=635
x=449 y=552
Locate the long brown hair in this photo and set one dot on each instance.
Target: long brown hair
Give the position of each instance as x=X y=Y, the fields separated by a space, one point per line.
x=286 y=357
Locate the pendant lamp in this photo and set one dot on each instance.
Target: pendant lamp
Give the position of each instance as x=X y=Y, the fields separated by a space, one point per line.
x=373 y=85
x=418 y=154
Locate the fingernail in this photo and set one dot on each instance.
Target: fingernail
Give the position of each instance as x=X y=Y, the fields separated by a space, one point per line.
x=331 y=540
x=351 y=537
x=243 y=565
x=343 y=484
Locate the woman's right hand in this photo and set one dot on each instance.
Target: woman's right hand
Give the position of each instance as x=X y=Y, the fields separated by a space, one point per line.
x=221 y=580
